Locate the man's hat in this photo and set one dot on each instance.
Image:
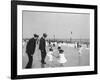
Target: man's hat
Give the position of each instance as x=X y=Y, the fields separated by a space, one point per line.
x=44 y=34
x=35 y=35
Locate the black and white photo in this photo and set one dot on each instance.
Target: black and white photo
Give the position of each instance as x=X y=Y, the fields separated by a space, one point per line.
x=70 y=31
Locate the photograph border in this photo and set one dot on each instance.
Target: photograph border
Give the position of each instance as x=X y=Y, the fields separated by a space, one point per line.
x=14 y=31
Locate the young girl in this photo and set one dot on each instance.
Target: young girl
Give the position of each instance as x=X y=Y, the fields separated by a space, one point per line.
x=49 y=54
x=62 y=58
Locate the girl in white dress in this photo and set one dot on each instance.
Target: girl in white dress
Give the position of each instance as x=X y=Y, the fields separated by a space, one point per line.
x=50 y=54
x=62 y=60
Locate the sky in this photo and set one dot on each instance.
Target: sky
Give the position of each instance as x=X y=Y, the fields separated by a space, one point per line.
x=59 y=24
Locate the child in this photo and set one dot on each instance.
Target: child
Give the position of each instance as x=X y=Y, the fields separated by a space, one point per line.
x=80 y=50
x=62 y=58
x=49 y=54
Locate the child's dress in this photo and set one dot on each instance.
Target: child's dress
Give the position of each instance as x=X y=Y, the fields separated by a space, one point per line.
x=49 y=54
x=62 y=59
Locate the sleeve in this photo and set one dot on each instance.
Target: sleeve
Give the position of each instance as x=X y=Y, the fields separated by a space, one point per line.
x=28 y=46
x=41 y=44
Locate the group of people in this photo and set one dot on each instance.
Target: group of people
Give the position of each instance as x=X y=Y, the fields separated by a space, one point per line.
x=60 y=57
x=31 y=47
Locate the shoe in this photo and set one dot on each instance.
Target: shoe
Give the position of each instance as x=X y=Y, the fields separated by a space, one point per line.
x=44 y=63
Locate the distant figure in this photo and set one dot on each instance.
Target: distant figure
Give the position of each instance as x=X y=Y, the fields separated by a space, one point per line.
x=59 y=44
x=80 y=50
x=53 y=44
x=49 y=43
x=87 y=45
x=42 y=47
x=30 y=49
x=23 y=43
x=62 y=60
x=78 y=45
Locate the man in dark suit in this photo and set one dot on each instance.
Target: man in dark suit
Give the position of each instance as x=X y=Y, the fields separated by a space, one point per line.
x=30 y=49
x=42 y=47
